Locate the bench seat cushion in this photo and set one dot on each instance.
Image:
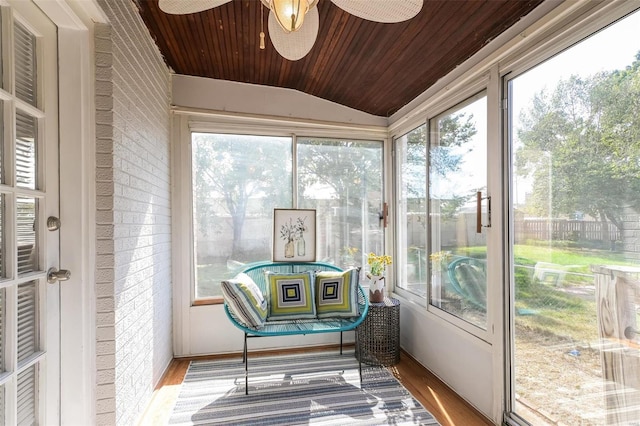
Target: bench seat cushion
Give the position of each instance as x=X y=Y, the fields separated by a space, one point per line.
x=312 y=325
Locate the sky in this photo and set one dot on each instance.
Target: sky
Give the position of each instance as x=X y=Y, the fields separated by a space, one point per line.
x=472 y=174
x=613 y=48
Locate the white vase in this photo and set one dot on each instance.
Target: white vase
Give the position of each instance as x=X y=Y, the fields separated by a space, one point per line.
x=376 y=288
x=436 y=289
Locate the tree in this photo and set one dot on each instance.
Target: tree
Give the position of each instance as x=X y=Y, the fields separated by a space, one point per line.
x=232 y=170
x=342 y=165
x=455 y=131
x=349 y=172
x=446 y=154
x=581 y=145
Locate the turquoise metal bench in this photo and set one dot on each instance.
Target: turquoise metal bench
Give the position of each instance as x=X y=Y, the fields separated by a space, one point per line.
x=296 y=327
x=468 y=278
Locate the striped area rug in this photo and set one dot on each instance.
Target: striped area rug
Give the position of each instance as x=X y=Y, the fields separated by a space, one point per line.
x=319 y=388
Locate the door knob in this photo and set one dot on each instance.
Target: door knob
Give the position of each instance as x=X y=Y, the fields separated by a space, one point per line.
x=53 y=275
x=53 y=223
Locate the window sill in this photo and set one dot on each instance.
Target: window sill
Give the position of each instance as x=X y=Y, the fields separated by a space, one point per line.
x=208 y=301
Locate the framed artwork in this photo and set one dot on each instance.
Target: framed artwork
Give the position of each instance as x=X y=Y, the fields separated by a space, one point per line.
x=294 y=235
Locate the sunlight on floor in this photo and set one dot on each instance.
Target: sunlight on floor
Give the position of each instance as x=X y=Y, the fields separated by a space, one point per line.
x=440 y=406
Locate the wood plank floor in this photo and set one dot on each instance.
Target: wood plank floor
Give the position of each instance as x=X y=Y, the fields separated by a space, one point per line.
x=448 y=408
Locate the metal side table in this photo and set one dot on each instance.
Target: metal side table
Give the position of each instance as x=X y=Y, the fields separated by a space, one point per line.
x=379 y=334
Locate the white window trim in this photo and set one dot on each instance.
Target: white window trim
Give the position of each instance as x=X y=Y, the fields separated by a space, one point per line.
x=481 y=84
x=186 y=121
x=75 y=20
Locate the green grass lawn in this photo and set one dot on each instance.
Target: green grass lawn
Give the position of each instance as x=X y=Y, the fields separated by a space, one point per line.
x=567 y=256
x=551 y=310
x=209 y=277
x=548 y=309
x=544 y=308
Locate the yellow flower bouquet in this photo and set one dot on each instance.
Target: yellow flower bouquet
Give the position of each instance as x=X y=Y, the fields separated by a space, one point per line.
x=377 y=264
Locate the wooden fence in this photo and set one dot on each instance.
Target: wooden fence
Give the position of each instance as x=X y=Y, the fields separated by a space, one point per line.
x=562 y=229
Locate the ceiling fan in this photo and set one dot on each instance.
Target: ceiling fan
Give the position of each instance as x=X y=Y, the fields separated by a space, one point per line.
x=289 y=36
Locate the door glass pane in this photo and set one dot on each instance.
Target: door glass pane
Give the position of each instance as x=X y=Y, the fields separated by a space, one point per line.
x=342 y=180
x=26 y=396
x=27 y=319
x=3 y=330
x=576 y=241
x=27 y=234
x=25 y=64
x=3 y=241
x=237 y=182
x=2 y=56
x=26 y=150
x=3 y=400
x=411 y=199
x=2 y=154
x=457 y=171
x=29 y=52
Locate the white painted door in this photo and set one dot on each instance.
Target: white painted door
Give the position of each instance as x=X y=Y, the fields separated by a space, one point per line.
x=30 y=316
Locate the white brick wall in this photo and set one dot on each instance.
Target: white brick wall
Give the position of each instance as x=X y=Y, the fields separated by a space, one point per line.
x=133 y=264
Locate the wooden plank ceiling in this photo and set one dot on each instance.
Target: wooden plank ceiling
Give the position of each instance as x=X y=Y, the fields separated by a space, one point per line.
x=372 y=67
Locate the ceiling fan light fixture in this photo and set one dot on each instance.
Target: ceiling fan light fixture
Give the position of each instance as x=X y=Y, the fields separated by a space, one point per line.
x=290 y=13
x=290 y=39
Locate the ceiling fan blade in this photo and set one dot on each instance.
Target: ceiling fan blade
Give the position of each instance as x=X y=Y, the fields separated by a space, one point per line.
x=182 y=7
x=295 y=45
x=381 y=10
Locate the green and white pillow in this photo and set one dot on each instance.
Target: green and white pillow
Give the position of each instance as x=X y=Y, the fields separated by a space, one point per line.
x=337 y=293
x=245 y=300
x=290 y=295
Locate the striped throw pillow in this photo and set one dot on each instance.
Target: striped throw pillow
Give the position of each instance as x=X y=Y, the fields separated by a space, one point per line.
x=245 y=300
x=290 y=295
x=337 y=293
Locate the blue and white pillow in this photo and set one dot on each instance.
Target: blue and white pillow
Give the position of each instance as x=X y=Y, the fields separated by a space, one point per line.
x=245 y=300
x=337 y=293
x=290 y=295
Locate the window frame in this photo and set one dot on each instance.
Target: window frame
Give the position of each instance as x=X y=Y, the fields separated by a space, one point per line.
x=465 y=324
x=397 y=182
x=187 y=122
x=480 y=87
x=579 y=24
x=212 y=300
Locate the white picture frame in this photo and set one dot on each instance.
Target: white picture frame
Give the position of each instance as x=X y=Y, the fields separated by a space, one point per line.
x=294 y=235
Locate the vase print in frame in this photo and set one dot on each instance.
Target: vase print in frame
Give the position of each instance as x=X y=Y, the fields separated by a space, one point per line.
x=294 y=235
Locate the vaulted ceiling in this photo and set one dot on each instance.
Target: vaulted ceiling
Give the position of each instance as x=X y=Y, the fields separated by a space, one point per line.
x=372 y=67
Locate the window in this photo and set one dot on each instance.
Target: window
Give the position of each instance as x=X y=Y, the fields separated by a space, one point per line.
x=342 y=180
x=457 y=247
x=237 y=182
x=411 y=199
x=239 y=179
x=440 y=254
x=575 y=179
